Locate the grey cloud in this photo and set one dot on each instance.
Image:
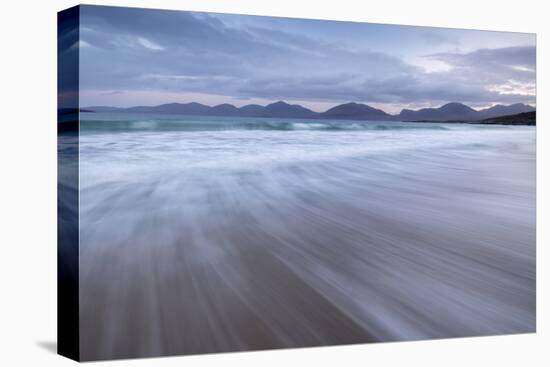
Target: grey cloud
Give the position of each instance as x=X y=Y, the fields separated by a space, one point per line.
x=437 y=38
x=199 y=53
x=494 y=65
x=525 y=56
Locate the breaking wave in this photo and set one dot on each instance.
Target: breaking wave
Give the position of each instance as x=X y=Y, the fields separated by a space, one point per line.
x=125 y=123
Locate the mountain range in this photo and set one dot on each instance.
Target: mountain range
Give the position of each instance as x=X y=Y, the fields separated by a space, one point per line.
x=453 y=111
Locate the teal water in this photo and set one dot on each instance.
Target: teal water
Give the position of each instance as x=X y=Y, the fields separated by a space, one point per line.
x=112 y=122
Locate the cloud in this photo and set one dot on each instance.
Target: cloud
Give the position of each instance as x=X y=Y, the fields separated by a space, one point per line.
x=149 y=44
x=202 y=54
x=492 y=65
x=113 y=93
x=437 y=38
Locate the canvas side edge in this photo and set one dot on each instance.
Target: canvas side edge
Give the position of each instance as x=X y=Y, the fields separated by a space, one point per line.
x=68 y=329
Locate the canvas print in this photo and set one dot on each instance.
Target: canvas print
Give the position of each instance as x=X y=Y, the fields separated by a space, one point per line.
x=237 y=183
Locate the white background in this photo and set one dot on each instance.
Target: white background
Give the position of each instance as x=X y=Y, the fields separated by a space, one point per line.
x=28 y=182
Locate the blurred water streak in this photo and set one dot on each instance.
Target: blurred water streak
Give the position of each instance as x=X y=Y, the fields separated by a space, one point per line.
x=218 y=241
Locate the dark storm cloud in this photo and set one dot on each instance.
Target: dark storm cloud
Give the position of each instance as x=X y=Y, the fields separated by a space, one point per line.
x=134 y=49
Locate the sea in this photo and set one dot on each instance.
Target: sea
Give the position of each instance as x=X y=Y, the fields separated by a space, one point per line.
x=220 y=234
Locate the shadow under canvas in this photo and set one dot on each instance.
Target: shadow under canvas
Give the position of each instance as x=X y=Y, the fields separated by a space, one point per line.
x=48 y=345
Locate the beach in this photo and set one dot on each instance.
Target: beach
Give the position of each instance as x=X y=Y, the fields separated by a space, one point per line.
x=202 y=235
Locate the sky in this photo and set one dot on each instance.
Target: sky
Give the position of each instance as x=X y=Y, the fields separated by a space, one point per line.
x=131 y=56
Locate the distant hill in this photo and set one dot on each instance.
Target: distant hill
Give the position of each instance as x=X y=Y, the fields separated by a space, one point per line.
x=525 y=118
x=192 y=108
x=283 y=109
x=458 y=112
x=356 y=111
x=450 y=112
x=251 y=110
x=225 y=109
x=502 y=110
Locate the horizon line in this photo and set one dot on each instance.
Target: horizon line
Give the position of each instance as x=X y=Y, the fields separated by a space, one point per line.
x=297 y=104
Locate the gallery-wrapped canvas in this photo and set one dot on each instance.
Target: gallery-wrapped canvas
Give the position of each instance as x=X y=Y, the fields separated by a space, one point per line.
x=236 y=183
